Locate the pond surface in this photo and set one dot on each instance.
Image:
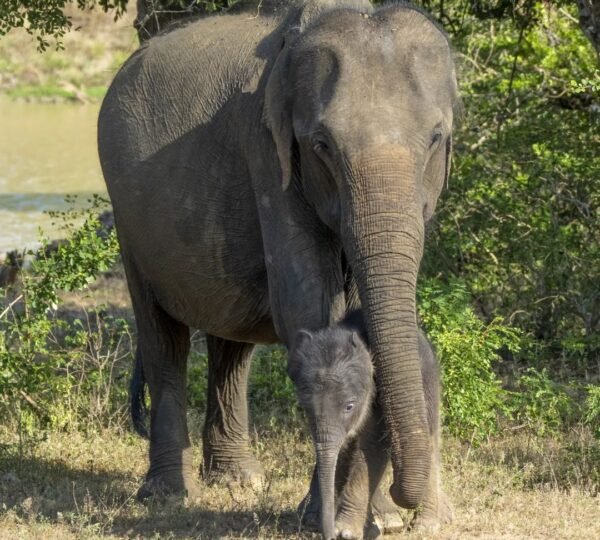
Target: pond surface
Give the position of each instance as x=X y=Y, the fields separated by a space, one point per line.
x=47 y=151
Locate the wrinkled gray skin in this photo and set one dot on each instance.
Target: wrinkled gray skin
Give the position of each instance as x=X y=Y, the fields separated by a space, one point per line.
x=333 y=373
x=246 y=156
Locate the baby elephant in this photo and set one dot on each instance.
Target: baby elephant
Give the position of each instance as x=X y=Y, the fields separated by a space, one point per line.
x=333 y=374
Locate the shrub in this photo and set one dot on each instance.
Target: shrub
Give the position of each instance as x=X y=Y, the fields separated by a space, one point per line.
x=467 y=349
x=591 y=415
x=520 y=221
x=57 y=367
x=540 y=403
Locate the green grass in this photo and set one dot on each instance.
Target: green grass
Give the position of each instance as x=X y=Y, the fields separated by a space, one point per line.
x=50 y=91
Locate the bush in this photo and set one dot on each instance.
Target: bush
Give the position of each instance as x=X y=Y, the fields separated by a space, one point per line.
x=591 y=414
x=58 y=367
x=467 y=348
x=520 y=222
x=541 y=404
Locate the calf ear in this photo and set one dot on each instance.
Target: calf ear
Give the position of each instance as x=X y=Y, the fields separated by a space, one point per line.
x=303 y=337
x=295 y=356
x=355 y=340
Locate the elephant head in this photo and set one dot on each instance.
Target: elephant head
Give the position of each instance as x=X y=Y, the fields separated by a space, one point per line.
x=360 y=105
x=333 y=374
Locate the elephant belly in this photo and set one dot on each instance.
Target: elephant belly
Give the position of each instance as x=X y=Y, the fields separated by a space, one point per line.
x=196 y=240
x=222 y=307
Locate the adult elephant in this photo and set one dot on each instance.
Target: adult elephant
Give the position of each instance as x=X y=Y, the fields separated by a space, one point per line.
x=247 y=156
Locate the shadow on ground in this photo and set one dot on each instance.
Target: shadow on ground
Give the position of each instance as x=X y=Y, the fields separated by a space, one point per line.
x=199 y=523
x=34 y=486
x=91 y=499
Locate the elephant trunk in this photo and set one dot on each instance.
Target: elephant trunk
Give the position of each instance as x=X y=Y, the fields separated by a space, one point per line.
x=382 y=220
x=327 y=454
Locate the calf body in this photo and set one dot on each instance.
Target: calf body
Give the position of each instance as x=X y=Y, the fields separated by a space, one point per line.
x=333 y=373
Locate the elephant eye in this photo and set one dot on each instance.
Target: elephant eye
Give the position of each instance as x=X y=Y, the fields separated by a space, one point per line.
x=320 y=147
x=349 y=406
x=437 y=136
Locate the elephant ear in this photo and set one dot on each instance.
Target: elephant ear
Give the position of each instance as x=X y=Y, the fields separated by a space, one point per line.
x=278 y=109
x=448 y=161
x=436 y=175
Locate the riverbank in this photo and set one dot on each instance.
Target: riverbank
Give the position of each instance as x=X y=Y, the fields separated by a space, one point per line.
x=81 y=72
x=48 y=163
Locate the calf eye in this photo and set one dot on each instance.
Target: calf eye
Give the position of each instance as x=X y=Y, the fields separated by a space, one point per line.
x=320 y=147
x=349 y=406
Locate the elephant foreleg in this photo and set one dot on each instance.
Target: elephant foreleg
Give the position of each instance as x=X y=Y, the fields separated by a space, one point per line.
x=225 y=439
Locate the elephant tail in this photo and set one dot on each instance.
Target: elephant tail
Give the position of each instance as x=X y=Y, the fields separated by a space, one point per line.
x=137 y=391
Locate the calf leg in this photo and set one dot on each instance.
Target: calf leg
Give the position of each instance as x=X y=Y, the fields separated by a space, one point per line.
x=364 y=471
x=225 y=440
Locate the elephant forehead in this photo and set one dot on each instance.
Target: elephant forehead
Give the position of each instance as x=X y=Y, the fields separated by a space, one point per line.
x=388 y=39
x=348 y=380
x=374 y=78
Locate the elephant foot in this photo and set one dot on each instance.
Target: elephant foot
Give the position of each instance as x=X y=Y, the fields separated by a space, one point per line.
x=357 y=529
x=385 y=514
x=246 y=472
x=161 y=486
x=429 y=520
x=353 y=525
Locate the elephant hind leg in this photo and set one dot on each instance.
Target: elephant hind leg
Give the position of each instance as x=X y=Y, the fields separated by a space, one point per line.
x=162 y=348
x=226 y=447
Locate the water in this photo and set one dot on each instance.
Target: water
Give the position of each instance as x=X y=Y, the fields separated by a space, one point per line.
x=47 y=151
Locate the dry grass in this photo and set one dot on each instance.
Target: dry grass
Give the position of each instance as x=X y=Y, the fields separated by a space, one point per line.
x=78 y=485
x=75 y=486
x=82 y=71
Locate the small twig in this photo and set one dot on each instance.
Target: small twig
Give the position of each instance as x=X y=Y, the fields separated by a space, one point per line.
x=257 y=11
x=30 y=400
x=75 y=499
x=9 y=307
x=568 y=15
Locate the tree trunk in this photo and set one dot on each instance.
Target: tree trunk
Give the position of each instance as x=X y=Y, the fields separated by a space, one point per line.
x=589 y=20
